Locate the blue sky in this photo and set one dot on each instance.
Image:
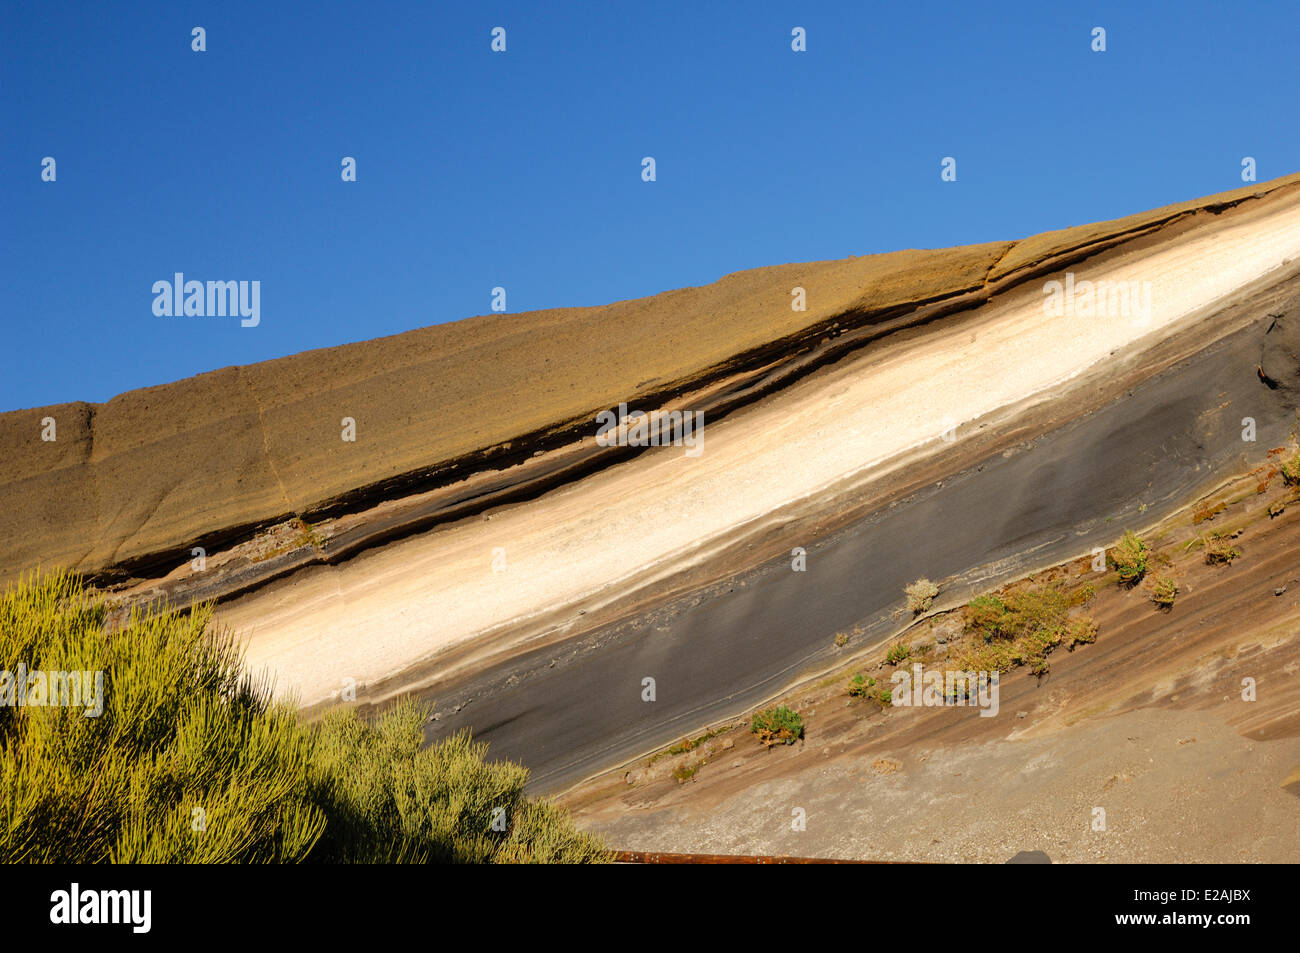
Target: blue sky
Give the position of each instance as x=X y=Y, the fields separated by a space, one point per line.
x=523 y=169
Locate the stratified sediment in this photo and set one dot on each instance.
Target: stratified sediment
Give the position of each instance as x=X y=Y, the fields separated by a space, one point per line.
x=927 y=415
x=131 y=485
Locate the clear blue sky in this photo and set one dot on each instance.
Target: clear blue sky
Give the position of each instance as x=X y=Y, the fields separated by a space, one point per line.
x=523 y=169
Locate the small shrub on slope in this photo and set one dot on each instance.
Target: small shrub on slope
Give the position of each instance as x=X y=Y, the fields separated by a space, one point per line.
x=920 y=595
x=1130 y=558
x=777 y=726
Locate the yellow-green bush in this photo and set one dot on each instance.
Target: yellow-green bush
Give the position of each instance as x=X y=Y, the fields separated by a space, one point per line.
x=1021 y=627
x=191 y=761
x=1130 y=558
x=1291 y=471
x=777 y=726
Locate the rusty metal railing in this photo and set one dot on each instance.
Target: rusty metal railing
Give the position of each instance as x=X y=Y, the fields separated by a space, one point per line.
x=660 y=857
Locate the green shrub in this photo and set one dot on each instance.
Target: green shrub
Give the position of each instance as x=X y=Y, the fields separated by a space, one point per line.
x=861 y=686
x=191 y=761
x=1164 y=591
x=1021 y=628
x=777 y=726
x=989 y=617
x=866 y=688
x=1130 y=557
x=1291 y=471
x=898 y=652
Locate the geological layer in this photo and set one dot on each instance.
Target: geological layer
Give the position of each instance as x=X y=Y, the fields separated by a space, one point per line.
x=128 y=486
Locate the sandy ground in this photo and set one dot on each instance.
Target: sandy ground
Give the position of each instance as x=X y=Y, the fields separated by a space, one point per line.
x=377 y=614
x=1174 y=788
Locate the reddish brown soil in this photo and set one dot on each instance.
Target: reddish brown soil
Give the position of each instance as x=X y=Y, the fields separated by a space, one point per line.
x=1149 y=723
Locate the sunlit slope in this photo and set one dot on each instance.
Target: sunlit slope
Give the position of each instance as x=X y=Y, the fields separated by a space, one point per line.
x=135 y=482
x=665 y=513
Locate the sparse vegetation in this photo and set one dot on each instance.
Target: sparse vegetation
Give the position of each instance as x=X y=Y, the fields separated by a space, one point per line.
x=1021 y=628
x=862 y=686
x=898 y=652
x=1129 y=558
x=689 y=744
x=684 y=772
x=186 y=735
x=1164 y=591
x=1219 y=549
x=865 y=687
x=989 y=617
x=920 y=595
x=841 y=640
x=1291 y=471
x=1206 y=511
x=286 y=537
x=777 y=726
x=1082 y=631
x=1084 y=595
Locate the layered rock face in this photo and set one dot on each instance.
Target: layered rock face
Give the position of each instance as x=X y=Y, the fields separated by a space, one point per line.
x=127 y=488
